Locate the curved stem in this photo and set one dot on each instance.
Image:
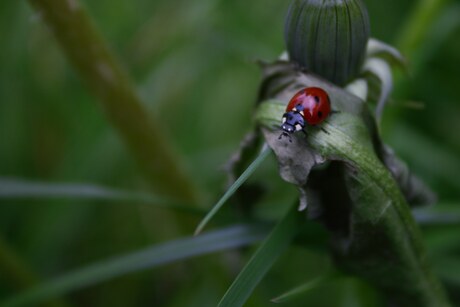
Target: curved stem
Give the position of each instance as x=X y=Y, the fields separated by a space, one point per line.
x=90 y=55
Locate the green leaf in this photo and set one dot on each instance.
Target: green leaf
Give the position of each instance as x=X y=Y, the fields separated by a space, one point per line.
x=378 y=49
x=281 y=81
x=305 y=288
x=185 y=248
x=23 y=189
x=244 y=176
x=263 y=259
x=355 y=196
x=359 y=88
x=380 y=69
x=443 y=214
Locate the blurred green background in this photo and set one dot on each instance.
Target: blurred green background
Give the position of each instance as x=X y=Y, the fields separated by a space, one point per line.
x=194 y=64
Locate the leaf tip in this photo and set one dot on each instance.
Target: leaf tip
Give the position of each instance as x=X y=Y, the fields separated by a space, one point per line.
x=198 y=229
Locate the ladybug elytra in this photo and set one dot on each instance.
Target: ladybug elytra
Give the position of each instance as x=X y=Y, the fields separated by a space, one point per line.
x=310 y=106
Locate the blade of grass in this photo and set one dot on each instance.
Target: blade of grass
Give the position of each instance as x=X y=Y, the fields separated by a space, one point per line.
x=306 y=287
x=23 y=189
x=244 y=176
x=263 y=259
x=185 y=248
x=443 y=214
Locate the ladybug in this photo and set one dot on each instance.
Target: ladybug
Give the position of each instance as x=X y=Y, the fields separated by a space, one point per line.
x=310 y=106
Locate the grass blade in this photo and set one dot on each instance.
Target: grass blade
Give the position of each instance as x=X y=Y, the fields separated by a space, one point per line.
x=306 y=287
x=272 y=247
x=22 y=189
x=251 y=168
x=443 y=214
x=185 y=248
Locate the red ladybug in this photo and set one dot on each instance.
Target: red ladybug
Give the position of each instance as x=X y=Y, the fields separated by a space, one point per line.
x=310 y=105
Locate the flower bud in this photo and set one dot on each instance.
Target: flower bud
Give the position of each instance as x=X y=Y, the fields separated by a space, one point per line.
x=328 y=37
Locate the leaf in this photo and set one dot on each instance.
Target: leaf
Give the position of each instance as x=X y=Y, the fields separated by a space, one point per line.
x=277 y=73
x=249 y=149
x=254 y=165
x=377 y=67
x=379 y=49
x=305 y=288
x=262 y=260
x=358 y=88
x=442 y=214
x=357 y=198
x=246 y=197
x=380 y=69
x=23 y=189
x=172 y=251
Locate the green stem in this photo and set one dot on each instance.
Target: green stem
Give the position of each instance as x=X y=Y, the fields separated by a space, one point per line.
x=90 y=55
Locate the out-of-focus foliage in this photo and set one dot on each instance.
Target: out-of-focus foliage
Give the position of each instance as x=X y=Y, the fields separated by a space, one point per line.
x=194 y=64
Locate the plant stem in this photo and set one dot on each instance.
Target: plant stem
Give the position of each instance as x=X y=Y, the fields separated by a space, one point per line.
x=90 y=55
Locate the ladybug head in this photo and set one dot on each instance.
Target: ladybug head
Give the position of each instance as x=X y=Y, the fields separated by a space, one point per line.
x=292 y=121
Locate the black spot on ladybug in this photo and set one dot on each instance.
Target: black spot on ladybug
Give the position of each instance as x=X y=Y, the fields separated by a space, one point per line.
x=320 y=114
x=316 y=99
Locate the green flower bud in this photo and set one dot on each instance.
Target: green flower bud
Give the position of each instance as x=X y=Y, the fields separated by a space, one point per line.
x=328 y=37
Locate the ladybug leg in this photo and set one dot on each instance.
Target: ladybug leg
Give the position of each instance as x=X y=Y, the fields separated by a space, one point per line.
x=322 y=129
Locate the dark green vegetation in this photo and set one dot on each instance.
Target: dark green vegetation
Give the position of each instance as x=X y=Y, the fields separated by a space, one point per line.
x=192 y=64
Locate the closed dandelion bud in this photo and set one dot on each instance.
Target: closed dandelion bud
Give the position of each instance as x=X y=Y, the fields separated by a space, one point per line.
x=328 y=37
